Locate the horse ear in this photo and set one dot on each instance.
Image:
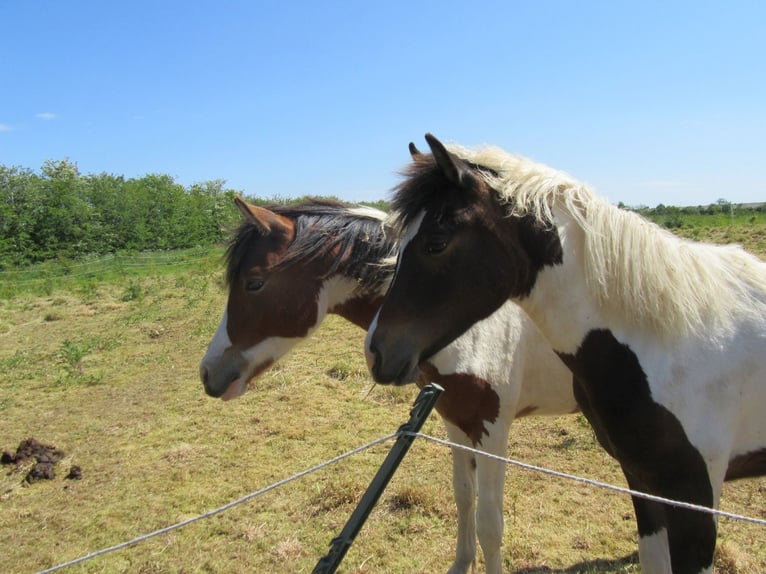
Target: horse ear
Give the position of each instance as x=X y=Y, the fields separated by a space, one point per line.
x=452 y=167
x=414 y=152
x=261 y=218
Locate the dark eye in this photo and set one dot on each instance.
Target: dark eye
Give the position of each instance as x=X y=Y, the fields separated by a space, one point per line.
x=436 y=244
x=254 y=284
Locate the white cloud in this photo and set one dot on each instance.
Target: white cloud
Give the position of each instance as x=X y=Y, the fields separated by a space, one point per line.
x=46 y=116
x=5 y=128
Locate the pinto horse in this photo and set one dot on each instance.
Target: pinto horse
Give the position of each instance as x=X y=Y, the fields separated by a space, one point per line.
x=665 y=337
x=287 y=267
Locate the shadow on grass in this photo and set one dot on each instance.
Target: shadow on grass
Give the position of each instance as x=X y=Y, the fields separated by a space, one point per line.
x=597 y=566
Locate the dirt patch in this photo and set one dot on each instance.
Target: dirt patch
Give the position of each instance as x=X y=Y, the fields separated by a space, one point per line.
x=45 y=458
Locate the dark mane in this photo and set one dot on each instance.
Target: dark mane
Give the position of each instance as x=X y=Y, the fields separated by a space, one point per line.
x=322 y=227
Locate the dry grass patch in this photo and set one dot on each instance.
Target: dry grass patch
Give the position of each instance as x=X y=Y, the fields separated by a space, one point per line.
x=155 y=450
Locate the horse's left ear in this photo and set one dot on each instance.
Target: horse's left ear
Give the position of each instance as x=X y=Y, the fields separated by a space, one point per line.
x=261 y=218
x=454 y=169
x=414 y=152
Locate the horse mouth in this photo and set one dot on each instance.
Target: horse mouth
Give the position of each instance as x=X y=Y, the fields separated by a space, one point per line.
x=409 y=374
x=235 y=389
x=240 y=385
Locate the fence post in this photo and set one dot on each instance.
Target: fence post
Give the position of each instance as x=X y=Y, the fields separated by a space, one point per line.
x=424 y=404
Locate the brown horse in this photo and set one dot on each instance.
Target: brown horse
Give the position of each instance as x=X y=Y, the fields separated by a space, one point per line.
x=287 y=267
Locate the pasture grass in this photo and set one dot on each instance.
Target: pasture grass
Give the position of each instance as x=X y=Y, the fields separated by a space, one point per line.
x=86 y=275
x=108 y=373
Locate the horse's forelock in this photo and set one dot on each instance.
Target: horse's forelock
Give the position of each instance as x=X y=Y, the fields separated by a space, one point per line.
x=421 y=186
x=236 y=249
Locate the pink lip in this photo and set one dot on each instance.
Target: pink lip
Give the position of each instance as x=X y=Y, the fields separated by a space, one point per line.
x=235 y=389
x=238 y=386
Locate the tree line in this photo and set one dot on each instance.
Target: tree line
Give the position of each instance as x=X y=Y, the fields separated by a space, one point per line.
x=58 y=213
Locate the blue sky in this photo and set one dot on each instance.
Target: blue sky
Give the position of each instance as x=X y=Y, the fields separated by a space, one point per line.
x=649 y=102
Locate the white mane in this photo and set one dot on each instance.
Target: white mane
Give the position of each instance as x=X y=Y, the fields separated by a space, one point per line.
x=367 y=211
x=647 y=275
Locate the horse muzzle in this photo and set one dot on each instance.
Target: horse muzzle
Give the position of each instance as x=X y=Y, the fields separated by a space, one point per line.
x=397 y=365
x=221 y=382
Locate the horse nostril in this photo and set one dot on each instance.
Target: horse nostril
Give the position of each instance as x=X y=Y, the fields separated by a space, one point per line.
x=203 y=374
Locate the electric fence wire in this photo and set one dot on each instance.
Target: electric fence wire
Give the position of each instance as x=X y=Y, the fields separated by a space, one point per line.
x=443 y=442
x=220 y=508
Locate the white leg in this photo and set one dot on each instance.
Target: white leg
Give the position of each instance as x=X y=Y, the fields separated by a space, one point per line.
x=491 y=484
x=464 y=487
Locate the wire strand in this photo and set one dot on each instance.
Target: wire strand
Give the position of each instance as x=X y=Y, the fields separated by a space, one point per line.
x=220 y=508
x=589 y=481
x=443 y=442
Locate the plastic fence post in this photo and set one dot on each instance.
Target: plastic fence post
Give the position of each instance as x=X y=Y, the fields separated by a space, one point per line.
x=424 y=404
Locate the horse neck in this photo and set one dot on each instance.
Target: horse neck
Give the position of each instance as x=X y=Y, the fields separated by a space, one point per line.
x=358 y=289
x=560 y=303
x=351 y=299
x=360 y=310
x=357 y=296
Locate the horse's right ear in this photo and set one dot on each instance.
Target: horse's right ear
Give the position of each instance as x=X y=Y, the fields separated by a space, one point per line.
x=453 y=168
x=258 y=216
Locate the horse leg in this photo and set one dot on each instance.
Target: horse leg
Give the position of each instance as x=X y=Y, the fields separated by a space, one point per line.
x=491 y=481
x=464 y=489
x=653 y=549
x=692 y=534
x=689 y=536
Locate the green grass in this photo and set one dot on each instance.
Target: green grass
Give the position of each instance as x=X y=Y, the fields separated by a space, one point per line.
x=155 y=450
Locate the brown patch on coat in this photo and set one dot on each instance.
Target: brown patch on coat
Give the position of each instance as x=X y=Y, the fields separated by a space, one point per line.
x=359 y=310
x=467 y=401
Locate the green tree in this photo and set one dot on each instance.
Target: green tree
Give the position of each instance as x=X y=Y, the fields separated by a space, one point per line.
x=62 y=214
x=104 y=193
x=17 y=199
x=211 y=212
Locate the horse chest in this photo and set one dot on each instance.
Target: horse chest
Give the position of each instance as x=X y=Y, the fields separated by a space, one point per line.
x=468 y=402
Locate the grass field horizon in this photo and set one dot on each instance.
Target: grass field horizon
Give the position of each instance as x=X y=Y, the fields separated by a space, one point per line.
x=104 y=367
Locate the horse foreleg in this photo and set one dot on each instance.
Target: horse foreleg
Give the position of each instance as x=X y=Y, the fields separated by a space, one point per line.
x=692 y=534
x=653 y=549
x=491 y=481
x=675 y=539
x=691 y=537
x=464 y=489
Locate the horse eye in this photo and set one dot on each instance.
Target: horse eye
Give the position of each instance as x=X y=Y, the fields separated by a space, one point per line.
x=436 y=246
x=254 y=285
